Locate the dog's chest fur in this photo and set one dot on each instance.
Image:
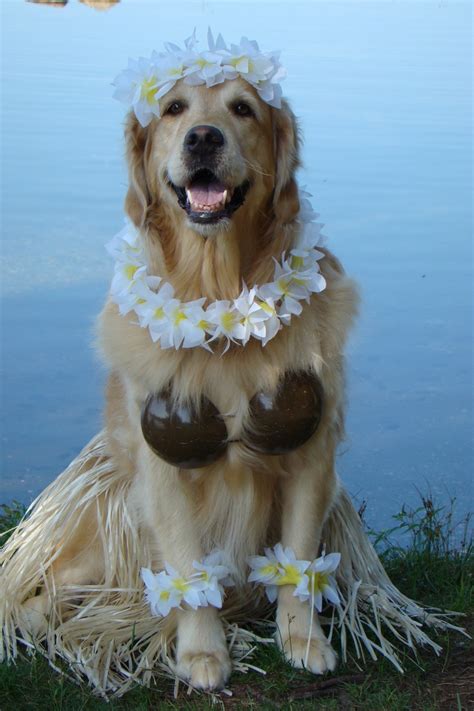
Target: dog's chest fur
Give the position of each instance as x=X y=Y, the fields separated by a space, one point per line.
x=233 y=498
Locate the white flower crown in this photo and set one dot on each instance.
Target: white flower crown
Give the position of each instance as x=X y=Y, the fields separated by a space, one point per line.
x=259 y=312
x=145 y=81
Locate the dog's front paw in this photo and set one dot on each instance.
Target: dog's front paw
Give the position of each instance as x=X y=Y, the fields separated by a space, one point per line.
x=318 y=658
x=202 y=657
x=205 y=670
x=293 y=628
x=34 y=612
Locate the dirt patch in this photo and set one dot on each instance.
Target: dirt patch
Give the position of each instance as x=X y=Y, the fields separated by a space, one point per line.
x=452 y=685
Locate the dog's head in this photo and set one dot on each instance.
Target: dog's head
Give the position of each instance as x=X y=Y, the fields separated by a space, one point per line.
x=217 y=155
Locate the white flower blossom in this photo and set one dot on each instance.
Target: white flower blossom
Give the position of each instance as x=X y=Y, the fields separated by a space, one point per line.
x=130 y=268
x=305 y=274
x=313 y=581
x=160 y=594
x=318 y=581
x=265 y=570
x=139 y=86
x=272 y=323
x=211 y=578
x=278 y=567
x=287 y=290
x=252 y=316
x=123 y=285
x=262 y=70
x=306 y=213
x=188 y=590
x=205 y=69
x=151 y=305
x=309 y=238
x=291 y=569
x=225 y=320
x=169 y=69
x=185 y=324
x=168 y=589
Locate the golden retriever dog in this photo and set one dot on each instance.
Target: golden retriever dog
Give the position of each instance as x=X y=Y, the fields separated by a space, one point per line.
x=245 y=499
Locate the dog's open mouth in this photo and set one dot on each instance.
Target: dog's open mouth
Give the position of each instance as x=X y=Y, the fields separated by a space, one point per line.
x=206 y=199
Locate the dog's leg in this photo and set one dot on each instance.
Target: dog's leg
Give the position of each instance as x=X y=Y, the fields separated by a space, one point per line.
x=80 y=562
x=202 y=657
x=307 y=497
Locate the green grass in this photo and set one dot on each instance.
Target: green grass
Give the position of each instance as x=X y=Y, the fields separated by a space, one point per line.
x=428 y=555
x=9 y=517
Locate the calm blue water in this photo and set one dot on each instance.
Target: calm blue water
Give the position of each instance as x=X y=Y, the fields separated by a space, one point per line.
x=383 y=93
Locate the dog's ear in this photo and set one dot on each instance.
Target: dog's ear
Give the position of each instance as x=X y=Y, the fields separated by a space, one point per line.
x=138 y=196
x=286 y=150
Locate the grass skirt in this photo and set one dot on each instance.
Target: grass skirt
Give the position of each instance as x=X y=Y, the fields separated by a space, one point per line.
x=109 y=637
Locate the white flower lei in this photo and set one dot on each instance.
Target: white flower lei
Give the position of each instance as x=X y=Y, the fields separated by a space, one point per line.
x=312 y=580
x=168 y=589
x=279 y=566
x=259 y=312
x=146 y=81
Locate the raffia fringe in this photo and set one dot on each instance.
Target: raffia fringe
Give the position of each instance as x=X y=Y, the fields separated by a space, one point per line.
x=110 y=637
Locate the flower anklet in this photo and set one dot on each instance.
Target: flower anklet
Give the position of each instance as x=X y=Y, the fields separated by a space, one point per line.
x=313 y=581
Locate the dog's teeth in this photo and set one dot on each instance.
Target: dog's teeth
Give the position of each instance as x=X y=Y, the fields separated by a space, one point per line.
x=224 y=197
x=188 y=195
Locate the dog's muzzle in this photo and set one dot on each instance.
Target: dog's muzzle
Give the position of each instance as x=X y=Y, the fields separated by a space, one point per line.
x=207 y=200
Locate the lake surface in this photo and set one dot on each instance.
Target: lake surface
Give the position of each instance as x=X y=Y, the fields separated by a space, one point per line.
x=383 y=91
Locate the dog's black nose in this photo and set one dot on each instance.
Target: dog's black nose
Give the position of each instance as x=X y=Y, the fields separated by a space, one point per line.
x=203 y=140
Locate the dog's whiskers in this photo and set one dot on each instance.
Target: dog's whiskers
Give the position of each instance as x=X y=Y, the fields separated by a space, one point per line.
x=257 y=168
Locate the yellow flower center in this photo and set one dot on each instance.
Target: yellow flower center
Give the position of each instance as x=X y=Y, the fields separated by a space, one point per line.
x=180 y=584
x=159 y=313
x=297 y=262
x=164 y=595
x=235 y=61
x=266 y=307
x=179 y=316
x=203 y=324
x=201 y=62
x=176 y=71
x=148 y=90
x=317 y=581
x=292 y=576
x=227 y=321
x=283 y=286
x=269 y=570
x=130 y=270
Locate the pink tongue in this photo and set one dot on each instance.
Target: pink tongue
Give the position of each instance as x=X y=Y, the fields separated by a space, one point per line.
x=207 y=194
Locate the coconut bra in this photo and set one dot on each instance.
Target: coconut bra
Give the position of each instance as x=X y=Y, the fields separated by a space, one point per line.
x=279 y=422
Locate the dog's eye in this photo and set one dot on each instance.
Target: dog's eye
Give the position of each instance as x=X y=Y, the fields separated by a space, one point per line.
x=175 y=108
x=243 y=109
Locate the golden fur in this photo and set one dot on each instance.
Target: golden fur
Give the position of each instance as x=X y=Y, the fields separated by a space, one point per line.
x=245 y=500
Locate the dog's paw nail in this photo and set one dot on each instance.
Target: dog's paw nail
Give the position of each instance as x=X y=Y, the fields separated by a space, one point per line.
x=319 y=658
x=205 y=670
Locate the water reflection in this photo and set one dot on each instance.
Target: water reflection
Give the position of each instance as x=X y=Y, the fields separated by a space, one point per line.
x=100 y=4
x=53 y=3
x=96 y=4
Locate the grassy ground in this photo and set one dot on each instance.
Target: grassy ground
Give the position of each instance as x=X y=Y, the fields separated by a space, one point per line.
x=428 y=555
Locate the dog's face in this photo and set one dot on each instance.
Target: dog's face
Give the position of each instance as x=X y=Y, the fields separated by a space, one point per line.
x=213 y=146
x=211 y=151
